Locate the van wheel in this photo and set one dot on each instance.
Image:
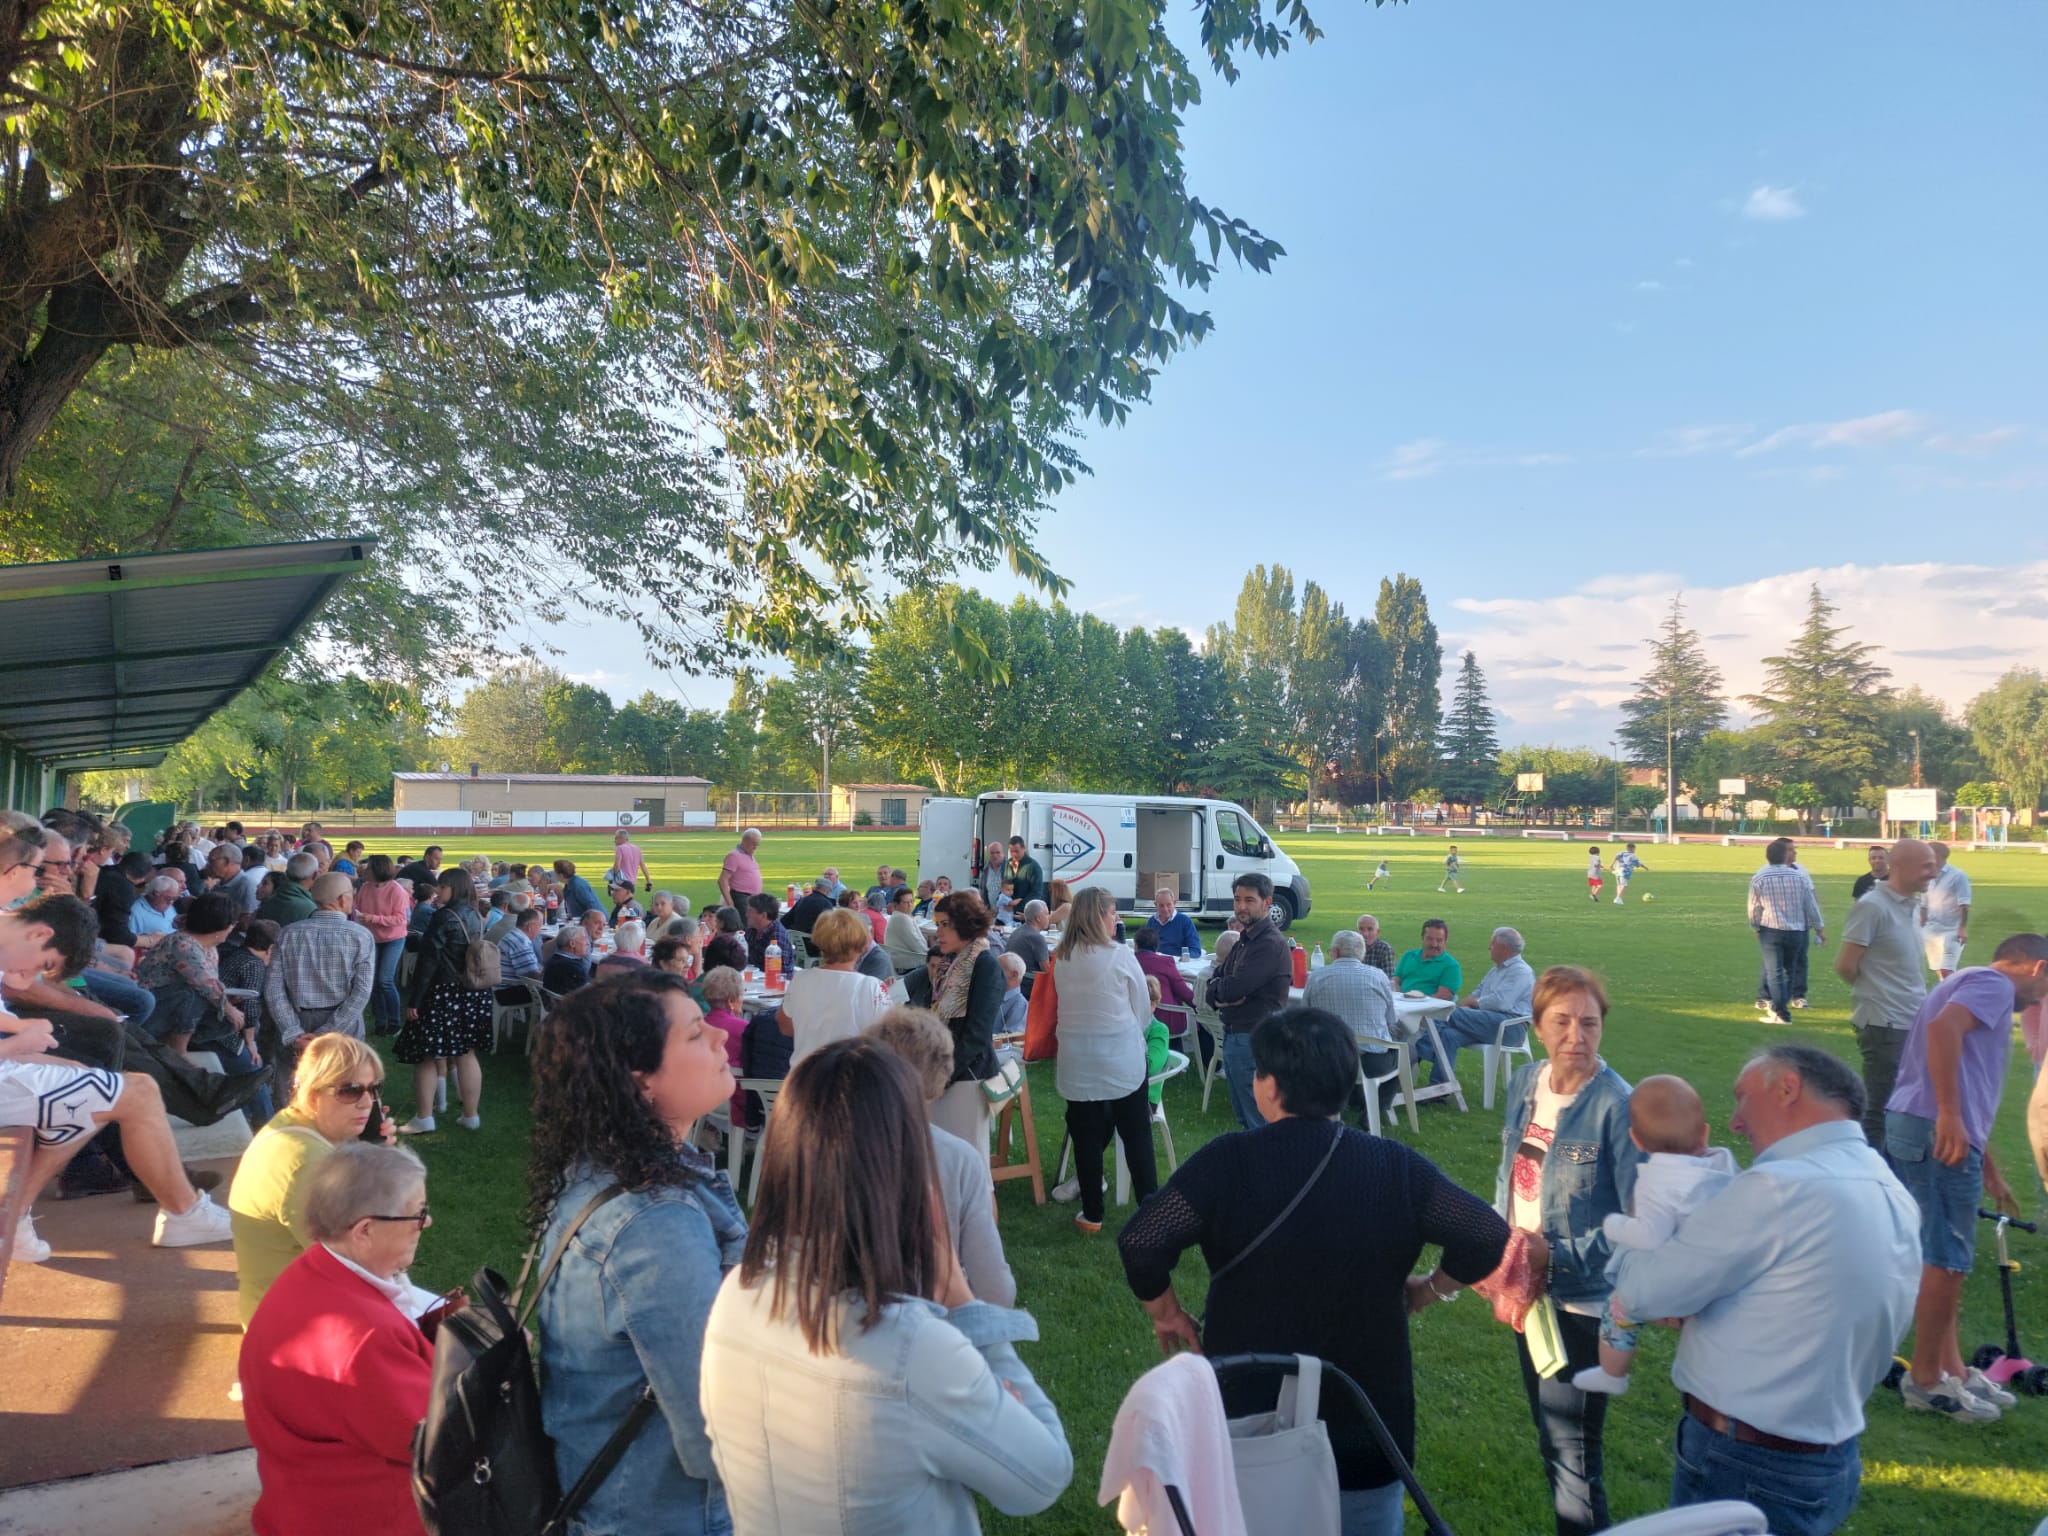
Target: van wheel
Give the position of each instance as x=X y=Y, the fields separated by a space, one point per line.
x=1283 y=910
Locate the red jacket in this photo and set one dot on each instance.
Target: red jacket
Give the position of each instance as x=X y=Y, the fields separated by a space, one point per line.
x=334 y=1381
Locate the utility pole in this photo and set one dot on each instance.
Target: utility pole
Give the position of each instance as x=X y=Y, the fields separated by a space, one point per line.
x=1916 y=757
x=1670 y=781
x=1616 y=744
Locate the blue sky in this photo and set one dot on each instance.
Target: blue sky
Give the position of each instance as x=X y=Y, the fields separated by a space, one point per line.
x=1587 y=303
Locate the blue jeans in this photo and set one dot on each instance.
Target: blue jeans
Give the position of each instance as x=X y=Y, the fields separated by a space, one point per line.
x=1568 y=1427
x=1784 y=966
x=384 y=1007
x=132 y=1002
x=1370 y=1511
x=233 y=1056
x=1465 y=1026
x=1801 y=1495
x=1238 y=1073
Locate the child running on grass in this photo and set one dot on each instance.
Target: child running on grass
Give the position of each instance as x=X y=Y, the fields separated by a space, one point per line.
x=1595 y=876
x=1681 y=1173
x=1377 y=875
x=1626 y=867
x=1451 y=868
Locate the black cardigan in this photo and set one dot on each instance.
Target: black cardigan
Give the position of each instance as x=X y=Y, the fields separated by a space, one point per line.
x=443 y=948
x=974 y=1049
x=1332 y=1281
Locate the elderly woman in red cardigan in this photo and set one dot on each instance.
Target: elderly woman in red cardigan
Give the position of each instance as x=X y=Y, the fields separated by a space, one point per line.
x=335 y=1370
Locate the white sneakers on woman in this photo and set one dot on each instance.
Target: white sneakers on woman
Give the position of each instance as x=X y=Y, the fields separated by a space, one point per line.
x=28 y=1248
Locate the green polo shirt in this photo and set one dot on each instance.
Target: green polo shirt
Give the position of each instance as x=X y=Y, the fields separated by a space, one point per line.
x=1415 y=974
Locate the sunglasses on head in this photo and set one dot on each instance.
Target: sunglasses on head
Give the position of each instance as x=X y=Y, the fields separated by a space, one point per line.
x=351 y=1093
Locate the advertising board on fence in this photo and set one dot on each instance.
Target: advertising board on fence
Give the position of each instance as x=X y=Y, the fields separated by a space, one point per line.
x=1911 y=804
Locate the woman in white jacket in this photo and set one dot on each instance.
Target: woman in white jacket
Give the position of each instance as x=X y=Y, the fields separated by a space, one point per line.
x=1102 y=1012
x=852 y=1383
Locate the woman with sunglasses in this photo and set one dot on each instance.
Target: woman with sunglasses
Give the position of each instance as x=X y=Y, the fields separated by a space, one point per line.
x=336 y=1368
x=333 y=1101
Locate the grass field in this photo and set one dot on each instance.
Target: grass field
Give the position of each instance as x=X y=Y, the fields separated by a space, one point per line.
x=1682 y=974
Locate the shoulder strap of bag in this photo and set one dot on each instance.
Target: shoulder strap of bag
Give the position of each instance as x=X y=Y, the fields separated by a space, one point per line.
x=1301 y=1394
x=606 y=1458
x=1285 y=1211
x=522 y=1304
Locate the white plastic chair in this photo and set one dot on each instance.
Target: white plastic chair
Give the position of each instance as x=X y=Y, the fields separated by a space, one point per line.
x=736 y=1137
x=1176 y=1063
x=1718 y=1517
x=1210 y=1023
x=1370 y=1086
x=1500 y=1056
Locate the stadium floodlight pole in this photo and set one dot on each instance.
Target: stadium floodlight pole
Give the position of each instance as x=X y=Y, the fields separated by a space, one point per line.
x=1916 y=757
x=1616 y=744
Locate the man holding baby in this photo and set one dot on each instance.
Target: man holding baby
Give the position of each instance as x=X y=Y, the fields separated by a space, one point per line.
x=1795 y=1281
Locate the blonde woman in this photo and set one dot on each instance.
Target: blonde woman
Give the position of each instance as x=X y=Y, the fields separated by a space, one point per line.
x=333 y=1101
x=1103 y=1009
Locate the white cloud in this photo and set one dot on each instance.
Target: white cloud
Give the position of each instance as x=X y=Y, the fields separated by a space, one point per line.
x=1683 y=263
x=1548 y=658
x=1649 y=285
x=1975 y=444
x=1684 y=442
x=1417 y=460
x=1857 y=432
x=1427 y=456
x=1773 y=203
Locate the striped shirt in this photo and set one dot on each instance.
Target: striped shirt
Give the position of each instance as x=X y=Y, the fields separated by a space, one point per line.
x=1780 y=896
x=1357 y=993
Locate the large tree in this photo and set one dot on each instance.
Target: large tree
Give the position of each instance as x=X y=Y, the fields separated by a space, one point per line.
x=1677 y=704
x=2009 y=723
x=1320 y=686
x=1471 y=746
x=502 y=722
x=1414 y=668
x=816 y=709
x=1823 y=709
x=734 y=311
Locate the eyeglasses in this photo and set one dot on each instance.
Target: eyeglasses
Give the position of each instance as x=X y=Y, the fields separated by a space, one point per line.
x=422 y=1220
x=350 y=1093
x=19 y=864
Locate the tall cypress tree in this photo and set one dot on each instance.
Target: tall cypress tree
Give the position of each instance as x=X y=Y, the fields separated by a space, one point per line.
x=1824 y=708
x=1681 y=692
x=1470 y=746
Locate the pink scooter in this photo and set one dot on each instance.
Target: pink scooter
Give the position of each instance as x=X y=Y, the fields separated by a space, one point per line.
x=2008 y=1366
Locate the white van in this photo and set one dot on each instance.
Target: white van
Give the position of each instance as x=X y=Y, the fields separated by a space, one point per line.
x=1128 y=844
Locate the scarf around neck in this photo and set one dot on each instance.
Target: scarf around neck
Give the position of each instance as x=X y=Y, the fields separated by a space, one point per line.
x=956 y=975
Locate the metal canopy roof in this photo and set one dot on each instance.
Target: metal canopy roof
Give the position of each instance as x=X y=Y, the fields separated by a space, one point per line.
x=110 y=663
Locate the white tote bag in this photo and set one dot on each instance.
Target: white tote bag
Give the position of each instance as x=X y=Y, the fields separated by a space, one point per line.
x=1286 y=1471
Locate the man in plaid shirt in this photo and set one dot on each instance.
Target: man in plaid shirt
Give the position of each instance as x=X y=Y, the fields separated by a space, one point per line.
x=323 y=967
x=1784 y=911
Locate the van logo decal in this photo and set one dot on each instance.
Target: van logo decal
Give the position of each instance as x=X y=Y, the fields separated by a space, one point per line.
x=1077 y=843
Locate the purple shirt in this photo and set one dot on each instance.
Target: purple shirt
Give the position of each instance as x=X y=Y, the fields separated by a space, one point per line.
x=1980 y=1074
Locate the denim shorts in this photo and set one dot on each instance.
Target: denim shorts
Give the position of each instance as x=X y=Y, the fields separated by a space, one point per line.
x=1948 y=1197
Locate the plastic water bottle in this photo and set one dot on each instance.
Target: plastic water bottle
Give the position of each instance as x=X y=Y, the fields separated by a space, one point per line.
x=774 y=969
x=1315 y=959
x=1187 y=953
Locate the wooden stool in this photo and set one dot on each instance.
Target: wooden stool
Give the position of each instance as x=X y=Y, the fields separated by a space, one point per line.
x=17 y=1147
x=1002 y=1165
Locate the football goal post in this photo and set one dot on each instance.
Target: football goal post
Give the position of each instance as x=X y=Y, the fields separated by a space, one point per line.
x=778 y=808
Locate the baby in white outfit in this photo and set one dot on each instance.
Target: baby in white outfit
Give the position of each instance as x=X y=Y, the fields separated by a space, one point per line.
x=1681 y=1172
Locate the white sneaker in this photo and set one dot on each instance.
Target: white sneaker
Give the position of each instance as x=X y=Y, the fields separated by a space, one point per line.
x=470 y=1122
x=1617 y=901
x=204 y=1223
x=418 y=1125
x=1798 y=1002
x=1949 y=1398
x=1985 y=1390
x=1594 y=1379
x=28 y=1248
x=1068 y=1192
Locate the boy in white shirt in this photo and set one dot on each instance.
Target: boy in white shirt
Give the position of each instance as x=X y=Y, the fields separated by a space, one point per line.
x=1595 y=875
x=1681 y=1172
x=1378 y=875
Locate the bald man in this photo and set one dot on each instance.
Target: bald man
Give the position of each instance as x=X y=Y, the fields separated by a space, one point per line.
x=1880 y=959
x=323 y=967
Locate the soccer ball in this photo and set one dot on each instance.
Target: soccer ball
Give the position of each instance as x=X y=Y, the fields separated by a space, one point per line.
x=1649 y=898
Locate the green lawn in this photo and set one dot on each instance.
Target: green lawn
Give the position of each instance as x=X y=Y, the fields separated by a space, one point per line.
x=1681 y=972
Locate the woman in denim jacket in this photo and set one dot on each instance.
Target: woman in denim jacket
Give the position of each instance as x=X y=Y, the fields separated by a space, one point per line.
x=853 y=1386
x=1567 y=1163
x=622 y=1071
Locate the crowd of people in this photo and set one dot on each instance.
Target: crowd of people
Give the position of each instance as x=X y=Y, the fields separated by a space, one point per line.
x=841 y=1357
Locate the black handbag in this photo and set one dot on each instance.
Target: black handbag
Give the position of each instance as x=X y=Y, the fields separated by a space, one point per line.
x=482 y=1462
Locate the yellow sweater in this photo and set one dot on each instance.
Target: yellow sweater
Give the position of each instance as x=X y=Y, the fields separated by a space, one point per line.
x=266 y=1202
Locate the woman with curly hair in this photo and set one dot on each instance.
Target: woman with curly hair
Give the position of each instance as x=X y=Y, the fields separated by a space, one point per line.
x=962 y=983
x=623 y=1072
